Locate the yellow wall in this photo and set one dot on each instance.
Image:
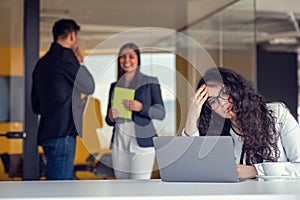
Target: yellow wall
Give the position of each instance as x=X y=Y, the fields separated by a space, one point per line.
x=11 y=61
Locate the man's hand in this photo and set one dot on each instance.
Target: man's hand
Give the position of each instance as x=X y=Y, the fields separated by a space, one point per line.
x=78 y=55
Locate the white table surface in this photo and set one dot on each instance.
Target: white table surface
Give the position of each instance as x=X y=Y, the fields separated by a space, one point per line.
x=149 y=189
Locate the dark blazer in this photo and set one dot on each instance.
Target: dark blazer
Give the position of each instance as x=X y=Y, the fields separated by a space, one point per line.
x=57 y=83
x=149 y=94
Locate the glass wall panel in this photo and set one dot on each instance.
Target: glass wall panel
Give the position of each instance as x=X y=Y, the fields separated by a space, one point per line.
x=229 y=37
x=11 y=87
x=101 y=23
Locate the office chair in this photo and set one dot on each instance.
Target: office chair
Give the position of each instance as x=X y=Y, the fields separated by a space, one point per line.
x=98 y=158
x=98 y=163
x=13 y=164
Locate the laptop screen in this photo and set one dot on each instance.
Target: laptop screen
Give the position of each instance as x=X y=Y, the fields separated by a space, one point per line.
x=197 y=159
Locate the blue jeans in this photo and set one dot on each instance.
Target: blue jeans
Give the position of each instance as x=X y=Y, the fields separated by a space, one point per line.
x=60 y=155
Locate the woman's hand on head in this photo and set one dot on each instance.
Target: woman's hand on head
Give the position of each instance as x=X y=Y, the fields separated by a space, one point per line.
x=246 y=171
x=199 y=99
x=195 y=107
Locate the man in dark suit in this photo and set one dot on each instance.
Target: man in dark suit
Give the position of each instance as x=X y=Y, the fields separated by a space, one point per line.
x=58 y=82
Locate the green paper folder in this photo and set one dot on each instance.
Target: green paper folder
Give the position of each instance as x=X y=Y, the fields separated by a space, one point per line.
x=119 y=95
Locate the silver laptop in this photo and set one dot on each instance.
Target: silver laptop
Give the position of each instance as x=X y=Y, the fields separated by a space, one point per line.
x=196 y=159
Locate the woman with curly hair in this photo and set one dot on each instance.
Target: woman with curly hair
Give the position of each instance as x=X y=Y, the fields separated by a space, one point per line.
x=261 y=130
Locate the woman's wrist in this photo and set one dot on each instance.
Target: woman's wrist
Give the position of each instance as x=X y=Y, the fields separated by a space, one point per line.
x=185 y=133
x=190 y=133
x=190 y=128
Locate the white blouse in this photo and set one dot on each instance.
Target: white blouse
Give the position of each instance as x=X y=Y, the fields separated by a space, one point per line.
x=288 y=143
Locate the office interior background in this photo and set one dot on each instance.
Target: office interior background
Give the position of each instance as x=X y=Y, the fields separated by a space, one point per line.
x=257 y=38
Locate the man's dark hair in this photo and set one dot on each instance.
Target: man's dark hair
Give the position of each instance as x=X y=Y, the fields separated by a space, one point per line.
x=62 y=28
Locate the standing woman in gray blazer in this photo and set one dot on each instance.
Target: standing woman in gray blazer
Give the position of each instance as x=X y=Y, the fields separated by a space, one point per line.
x=133 y=153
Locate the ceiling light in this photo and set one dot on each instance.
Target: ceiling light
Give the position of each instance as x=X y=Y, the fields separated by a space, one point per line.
x=286 y=40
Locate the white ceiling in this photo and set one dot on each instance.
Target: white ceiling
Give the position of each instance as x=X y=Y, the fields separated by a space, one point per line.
x=278 y=24
x=276 y=21
x=101 y=19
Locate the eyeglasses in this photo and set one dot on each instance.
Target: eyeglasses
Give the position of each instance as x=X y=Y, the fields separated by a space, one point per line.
x=214 y=102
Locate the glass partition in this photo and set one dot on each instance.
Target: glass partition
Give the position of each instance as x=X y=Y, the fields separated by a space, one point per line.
x=229 y=37
x=226 y=30
x=11 y=88
x=103 y=23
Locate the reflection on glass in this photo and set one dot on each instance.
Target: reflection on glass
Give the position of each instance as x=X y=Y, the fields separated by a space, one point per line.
x=229 y=37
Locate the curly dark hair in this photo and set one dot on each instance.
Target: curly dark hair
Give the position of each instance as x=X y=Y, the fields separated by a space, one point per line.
x=253 y=118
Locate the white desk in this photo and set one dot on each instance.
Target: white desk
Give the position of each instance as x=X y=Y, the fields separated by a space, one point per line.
x=149 y=189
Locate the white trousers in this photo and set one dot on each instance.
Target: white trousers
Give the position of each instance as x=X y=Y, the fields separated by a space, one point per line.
x=130 y=161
